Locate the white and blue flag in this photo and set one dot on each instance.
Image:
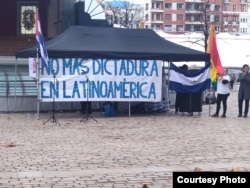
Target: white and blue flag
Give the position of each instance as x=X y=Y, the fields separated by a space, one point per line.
x=189 y=81
x=40 y=42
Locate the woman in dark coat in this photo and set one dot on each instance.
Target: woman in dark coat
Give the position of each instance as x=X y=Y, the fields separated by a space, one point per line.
x=244 y=90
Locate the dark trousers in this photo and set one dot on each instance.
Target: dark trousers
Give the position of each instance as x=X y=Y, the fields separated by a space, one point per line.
x=240 y=105
x=232 y=84
x=221 y=98
x=177 y=101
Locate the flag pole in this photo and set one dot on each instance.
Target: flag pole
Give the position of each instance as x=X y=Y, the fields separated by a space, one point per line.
x=215 y=63
x=209 y=100
x=168 y=82
x=42 y=55
x=38 y=55
x=38 y=85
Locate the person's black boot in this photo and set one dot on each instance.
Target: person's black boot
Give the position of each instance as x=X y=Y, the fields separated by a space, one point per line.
x=215 y=115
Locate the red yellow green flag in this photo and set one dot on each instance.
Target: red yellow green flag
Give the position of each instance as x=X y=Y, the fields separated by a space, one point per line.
x=215 y=63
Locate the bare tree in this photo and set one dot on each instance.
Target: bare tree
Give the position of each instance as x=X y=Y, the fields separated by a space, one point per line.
x=126 y=13
x=201 y=16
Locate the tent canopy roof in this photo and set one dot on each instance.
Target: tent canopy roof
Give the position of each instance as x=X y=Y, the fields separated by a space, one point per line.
x=114 y=43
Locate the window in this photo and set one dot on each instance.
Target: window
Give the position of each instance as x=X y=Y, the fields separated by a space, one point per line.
x=208 y=18
x=197 y=28
x=168 y=6
x=243 y=30
x=225 y=19
x=180 y=17
x=168 y=16
x=243 y=8
x=26 y=20
x=167 y=28
x=207 y=7
x=180 y=6
x=180 y=28
x=158 y=17
x=188 y=28
x=158 y=5
x=188 y=6
x=217 y=18
x=188 y=18
x=197 y=6
x=20 y=85
x=234 y=8
x=156 y=26
x=234 y=18
x=225 y=7
x=217 y=7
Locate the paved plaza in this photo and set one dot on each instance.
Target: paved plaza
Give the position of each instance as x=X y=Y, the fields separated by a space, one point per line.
x=119 y=152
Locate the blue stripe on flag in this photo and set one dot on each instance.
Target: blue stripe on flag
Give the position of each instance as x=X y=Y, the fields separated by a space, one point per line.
x=189 y=81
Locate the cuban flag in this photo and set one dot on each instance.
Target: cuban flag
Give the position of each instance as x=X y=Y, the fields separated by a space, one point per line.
x=189 y=81
x=40 y=42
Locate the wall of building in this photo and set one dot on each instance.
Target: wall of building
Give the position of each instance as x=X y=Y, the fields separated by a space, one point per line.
x=9 y=16
x=61 y=14
x=226 y=15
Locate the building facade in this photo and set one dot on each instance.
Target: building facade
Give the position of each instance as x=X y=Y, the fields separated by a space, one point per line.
x=17 y=18
x=180 y=16
x=18 y=91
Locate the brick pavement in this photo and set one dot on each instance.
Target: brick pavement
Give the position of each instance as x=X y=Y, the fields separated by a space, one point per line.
x=119 y=152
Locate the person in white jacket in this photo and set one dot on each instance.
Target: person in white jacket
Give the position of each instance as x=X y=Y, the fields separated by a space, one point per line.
x=223 y=91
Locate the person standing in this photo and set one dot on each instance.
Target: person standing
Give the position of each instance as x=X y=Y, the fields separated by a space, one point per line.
x=223 y=91
x=244 y=90
x=232 y=80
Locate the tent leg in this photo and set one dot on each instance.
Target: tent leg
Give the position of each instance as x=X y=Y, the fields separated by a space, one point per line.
x=38 y=85
x=15 y=85
x=168 y=84
x=129 y=109
x=209 y=111
x=37 y=110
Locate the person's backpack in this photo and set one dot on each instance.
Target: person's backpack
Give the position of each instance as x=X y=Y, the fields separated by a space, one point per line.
x=109 y=111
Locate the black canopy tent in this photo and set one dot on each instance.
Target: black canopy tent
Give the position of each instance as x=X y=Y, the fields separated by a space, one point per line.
x=114 y=43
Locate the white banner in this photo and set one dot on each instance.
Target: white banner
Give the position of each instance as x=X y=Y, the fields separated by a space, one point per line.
x=101 y=80
x=32 y=67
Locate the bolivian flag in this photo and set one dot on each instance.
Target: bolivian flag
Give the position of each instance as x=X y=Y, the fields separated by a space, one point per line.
x=215 y=63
